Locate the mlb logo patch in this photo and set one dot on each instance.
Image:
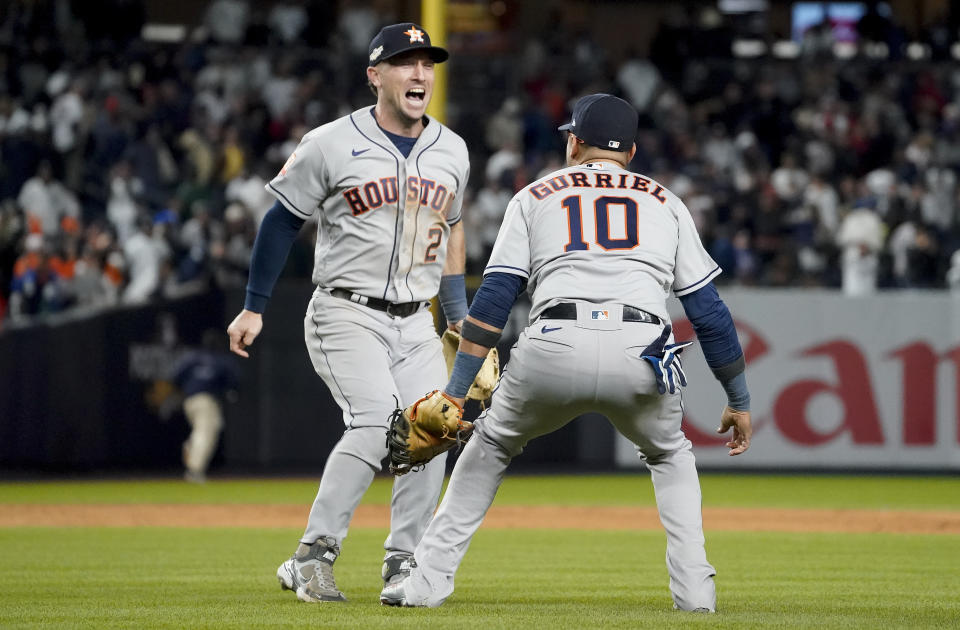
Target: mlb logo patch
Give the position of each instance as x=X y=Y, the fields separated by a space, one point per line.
x=600 y=314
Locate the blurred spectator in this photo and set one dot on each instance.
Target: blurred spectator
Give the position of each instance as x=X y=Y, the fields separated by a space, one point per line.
x=248 y=189
x=231 y=252
x=199 y=158
x=288 y=20
x=232 y=158
x=68 y=115
x=953 y=274
x=861 y=237
x=789 y=181
x=122 y=206
x=227 y=20
x=484 y=215
x=152 y=165
x=504 y=127
x=92 y=287
x=49 y=206
x=771 y=155
x=144 y=260
x=36 y=287
x=359 y=23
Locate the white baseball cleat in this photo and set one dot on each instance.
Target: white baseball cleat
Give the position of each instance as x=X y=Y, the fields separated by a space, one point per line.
x=395 y=570
x=393 y=594
x=414 y=591
x=700 y=609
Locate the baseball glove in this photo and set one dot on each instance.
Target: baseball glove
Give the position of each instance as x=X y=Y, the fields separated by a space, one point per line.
x=486 y=379
x=431 y=426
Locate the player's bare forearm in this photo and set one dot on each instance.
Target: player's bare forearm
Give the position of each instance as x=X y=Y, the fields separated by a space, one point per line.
x=456 y=261
x=740 y=422
x=452 y=291
x=475 y=349
x=243 y=330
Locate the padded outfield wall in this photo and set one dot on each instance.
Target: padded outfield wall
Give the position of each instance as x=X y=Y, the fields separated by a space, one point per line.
x=837 y=383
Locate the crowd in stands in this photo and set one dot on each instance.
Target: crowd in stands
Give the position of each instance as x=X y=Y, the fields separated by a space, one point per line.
x=132 y=169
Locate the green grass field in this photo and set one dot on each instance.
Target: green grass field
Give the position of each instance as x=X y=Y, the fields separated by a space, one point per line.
x=92 y=577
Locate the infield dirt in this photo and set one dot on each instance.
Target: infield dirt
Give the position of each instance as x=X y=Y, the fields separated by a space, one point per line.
x=499 y=517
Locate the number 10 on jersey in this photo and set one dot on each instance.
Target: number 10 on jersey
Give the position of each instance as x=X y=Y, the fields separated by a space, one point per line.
x=601 y=210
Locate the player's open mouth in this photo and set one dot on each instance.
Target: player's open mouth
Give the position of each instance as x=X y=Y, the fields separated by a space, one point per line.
x=416 y=94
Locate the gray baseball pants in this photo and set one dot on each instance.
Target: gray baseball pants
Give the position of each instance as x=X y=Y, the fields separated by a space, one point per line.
x=558 y=370
x=370 y=360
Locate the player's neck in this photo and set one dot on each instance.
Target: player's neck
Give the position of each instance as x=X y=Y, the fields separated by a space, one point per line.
x=394 y=124
x=595 y=160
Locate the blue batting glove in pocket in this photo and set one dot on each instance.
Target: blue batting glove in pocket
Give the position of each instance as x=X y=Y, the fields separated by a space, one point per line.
x=664 y=360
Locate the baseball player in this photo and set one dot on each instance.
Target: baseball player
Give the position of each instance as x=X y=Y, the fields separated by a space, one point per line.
x=599 y=249
x=387 y=185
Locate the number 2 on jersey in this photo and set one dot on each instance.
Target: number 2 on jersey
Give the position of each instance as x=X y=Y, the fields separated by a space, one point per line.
x=601 y=210
x=431 y=254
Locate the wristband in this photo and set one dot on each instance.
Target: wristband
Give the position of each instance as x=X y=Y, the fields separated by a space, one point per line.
x=452 y=295
x=465 y=368
x=480 y=336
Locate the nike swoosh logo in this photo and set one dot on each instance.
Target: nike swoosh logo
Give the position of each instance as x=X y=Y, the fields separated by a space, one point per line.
x=546 y=330
x=356 y=153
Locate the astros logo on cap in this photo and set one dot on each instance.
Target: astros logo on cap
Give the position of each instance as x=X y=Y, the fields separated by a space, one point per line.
x=416 y=35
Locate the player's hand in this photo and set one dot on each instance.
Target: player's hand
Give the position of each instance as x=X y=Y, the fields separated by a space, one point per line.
x=460 y=401
x=739 y=421
x=457 y=327
x=243 y=330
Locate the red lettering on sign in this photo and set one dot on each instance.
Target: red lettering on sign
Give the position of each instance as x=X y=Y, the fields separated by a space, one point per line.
x=853 y=389
x=919 y=393
x=954 y=355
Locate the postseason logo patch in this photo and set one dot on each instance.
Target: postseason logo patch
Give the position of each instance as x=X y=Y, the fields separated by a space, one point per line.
x=600 y=314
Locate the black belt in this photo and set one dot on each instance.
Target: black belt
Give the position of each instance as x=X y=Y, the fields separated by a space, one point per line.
x=394 y=309
x=568 y=310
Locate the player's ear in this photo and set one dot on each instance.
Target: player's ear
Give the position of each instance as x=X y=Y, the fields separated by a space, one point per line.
x=633 y=151
x=573 y=146
x=373 y=76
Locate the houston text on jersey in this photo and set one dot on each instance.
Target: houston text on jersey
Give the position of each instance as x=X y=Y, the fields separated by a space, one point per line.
x=374 y=194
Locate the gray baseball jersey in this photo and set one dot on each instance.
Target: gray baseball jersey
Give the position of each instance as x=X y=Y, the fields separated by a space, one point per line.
x=384 y=219
x=600 y=237
x=556 y=230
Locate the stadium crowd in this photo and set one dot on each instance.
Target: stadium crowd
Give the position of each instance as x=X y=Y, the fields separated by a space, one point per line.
x=133 y=169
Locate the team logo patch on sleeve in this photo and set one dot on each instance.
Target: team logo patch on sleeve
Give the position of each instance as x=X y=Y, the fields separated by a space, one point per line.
x=600 y=314
x=286 y=165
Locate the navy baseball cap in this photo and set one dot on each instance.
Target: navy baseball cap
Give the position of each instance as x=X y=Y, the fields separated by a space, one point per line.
x=604 y=121
x=400 y=38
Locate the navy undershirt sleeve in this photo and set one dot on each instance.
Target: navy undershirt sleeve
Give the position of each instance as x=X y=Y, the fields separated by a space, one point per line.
x=495 y=297
x=717 y=335
x=714 y=327
x=270 y=250
x=491 y=305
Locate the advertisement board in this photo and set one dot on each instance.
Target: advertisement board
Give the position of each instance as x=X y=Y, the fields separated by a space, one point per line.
x=836 y=382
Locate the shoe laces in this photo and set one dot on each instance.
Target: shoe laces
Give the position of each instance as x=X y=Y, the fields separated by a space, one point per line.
x=323 y=573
